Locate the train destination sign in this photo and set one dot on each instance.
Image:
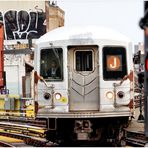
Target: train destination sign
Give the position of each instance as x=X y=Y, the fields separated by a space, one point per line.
x=113 y=62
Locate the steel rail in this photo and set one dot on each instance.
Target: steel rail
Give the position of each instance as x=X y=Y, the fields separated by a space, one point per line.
x=29 y=140
x=5 y=144
x=31 y=135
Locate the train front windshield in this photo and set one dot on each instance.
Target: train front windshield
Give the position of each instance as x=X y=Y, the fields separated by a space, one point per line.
x=51 y=64
x=114 y=63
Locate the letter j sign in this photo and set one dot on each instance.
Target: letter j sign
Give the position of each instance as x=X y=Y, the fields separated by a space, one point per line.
x=114 y=63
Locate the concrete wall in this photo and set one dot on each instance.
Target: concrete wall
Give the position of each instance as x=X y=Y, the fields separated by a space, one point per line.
x=24 y=19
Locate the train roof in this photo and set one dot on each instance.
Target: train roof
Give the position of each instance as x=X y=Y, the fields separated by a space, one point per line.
x=82 y=32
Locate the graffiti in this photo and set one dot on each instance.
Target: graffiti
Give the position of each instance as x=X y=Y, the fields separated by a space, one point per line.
x=23 y=24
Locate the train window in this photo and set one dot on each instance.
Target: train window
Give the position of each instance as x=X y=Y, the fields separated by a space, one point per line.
x=51 y=64
x=114 y=63
x=84 y=61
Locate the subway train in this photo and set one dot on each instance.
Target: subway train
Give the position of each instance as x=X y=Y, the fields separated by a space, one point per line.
x=84 y=89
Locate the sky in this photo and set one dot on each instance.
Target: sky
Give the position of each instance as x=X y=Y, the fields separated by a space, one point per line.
x=120 y=15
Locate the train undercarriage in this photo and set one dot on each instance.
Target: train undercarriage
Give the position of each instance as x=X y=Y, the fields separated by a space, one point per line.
x=87 y=131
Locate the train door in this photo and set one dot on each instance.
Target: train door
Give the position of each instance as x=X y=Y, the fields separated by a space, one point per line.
x=83 y=78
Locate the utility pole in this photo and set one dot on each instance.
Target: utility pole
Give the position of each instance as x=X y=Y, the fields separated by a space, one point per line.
x=144 y=25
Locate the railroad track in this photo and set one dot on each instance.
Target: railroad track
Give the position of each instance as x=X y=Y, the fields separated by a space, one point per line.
x=4 y=144
x=33 y=122
x=31 y=135
x=136 y=138
x=24 y=129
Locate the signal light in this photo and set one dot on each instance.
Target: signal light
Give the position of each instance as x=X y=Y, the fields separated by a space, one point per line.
x=146 y=64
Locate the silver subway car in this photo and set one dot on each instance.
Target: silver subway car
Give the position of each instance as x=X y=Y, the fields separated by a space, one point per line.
x=84 y=94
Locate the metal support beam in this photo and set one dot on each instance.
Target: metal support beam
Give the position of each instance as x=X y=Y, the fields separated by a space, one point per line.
x=18 y=51
x=146 y=74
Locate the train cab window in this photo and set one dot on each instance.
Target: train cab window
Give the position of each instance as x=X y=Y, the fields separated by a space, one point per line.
x=51 y=64
x=83 y=61
x=114 y=63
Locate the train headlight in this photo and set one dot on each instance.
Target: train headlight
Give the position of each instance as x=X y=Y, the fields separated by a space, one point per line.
x=109 y=95
x=120 y=94
x=58 y=96
x=47 y=96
